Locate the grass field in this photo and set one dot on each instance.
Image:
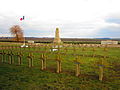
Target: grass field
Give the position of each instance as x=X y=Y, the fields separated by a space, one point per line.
x=15 y=77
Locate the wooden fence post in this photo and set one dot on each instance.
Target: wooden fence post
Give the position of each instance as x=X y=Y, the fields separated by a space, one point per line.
x=3 y=56
x=11 y=58
x=101 y=63
x=93 y=52
x=30 y=60
x=83 y=50
x=77 y=61
x=58 y=59
x=43 y=62
x=100 y=72
x=20 y=58
x=8 y=57
x=4 y=53
x=0 y=57
x=58 y=66
x=77 y=69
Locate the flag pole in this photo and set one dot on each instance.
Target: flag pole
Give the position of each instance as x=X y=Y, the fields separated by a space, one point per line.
x=21 y=19
x=24 y=40
x=24 y=33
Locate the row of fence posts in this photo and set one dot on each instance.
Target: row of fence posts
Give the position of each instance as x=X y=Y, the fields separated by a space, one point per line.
x=43 y=62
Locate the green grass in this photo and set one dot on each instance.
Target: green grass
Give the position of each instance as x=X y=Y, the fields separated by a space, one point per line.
x=14 y=77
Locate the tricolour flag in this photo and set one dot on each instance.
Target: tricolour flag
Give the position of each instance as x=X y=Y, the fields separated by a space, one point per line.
x=22 y=18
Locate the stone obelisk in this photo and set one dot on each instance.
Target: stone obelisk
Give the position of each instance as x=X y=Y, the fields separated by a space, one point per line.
x=57 y=39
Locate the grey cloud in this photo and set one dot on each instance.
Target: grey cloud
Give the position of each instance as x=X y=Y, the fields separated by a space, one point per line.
x=47 y=29
x=113 y=18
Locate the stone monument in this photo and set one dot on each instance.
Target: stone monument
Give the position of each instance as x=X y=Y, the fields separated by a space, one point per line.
x=57 y=39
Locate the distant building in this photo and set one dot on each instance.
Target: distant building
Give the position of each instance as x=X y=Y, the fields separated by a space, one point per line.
x=109 y=42
x=30 y=41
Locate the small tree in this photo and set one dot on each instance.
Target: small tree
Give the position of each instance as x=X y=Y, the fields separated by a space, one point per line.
x=17 y=32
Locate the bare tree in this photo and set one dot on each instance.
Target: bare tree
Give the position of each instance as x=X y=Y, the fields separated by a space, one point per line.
x=17 y=32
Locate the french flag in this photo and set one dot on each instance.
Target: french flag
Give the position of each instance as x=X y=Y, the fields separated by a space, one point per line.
x=22 y=18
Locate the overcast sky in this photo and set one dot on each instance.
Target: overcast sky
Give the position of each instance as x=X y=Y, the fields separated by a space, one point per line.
x=74 y=18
